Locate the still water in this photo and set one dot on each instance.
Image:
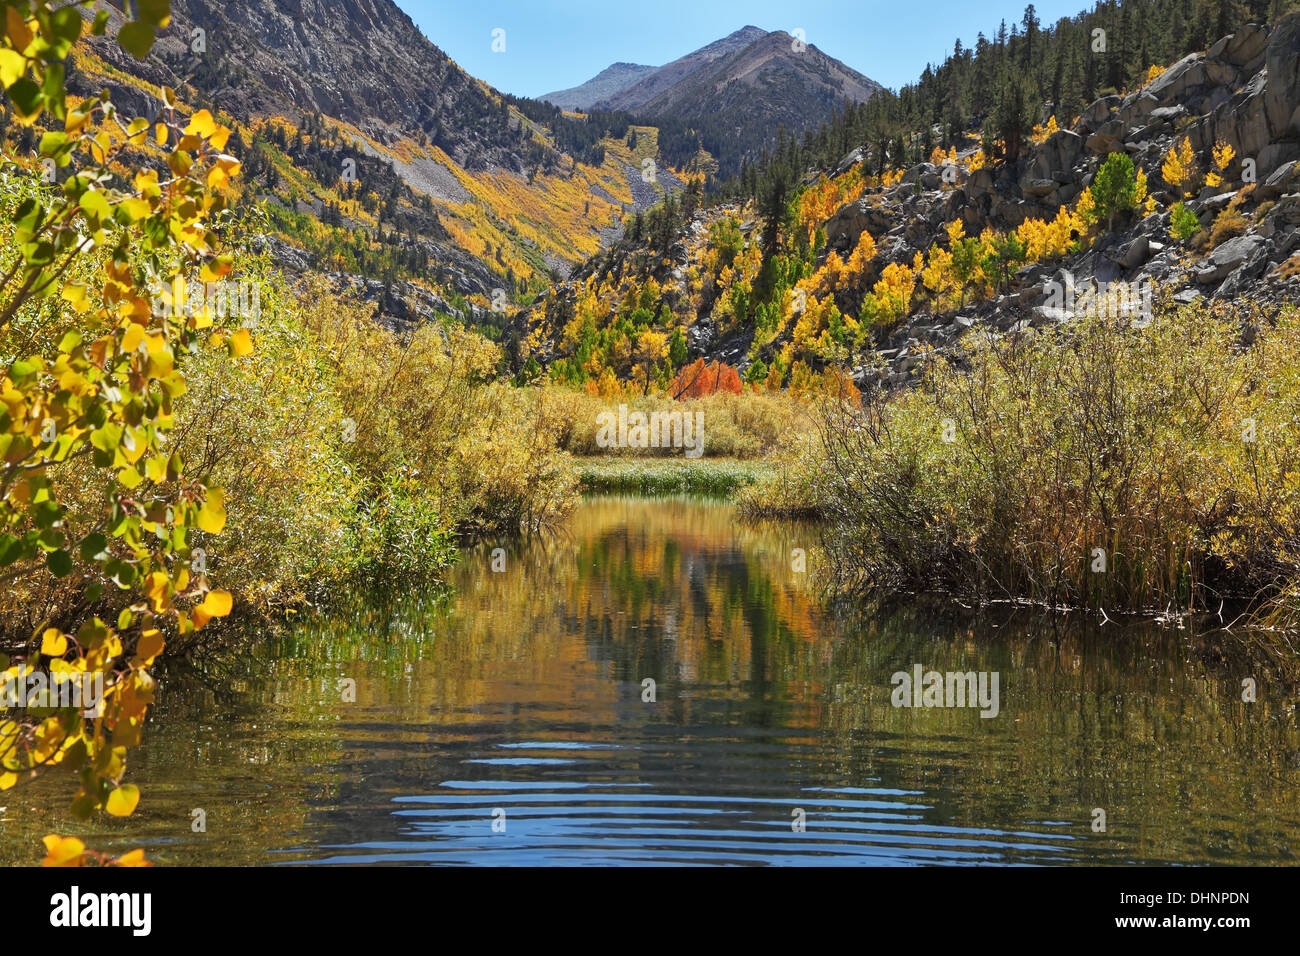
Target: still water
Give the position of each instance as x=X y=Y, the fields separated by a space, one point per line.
x=509 y=722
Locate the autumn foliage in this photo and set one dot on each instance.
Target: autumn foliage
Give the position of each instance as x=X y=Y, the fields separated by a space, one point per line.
x=698 y=380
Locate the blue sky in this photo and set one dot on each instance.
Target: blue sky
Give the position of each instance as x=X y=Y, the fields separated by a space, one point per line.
x=555 y=44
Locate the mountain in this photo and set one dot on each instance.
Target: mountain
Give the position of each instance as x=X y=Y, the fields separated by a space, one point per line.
x=364 y=62
x=635 y=96
x=841 y=253
x=605 y=84
x=733 y=97
x=770 y=75
x=456 y=185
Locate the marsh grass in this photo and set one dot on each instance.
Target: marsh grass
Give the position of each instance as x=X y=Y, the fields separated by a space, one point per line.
x=719 y=477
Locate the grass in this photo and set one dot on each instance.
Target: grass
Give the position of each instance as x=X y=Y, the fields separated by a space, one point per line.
x=722 y=477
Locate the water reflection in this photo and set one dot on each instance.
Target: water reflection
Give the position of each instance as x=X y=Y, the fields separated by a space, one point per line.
x=771 y=738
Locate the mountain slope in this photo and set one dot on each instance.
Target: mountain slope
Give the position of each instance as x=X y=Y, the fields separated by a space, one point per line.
x=607 y=83
x=444 y=165
x=633 y=98
x=876 y=269
x=733 y=97
x=769 y=74
x=364 y=62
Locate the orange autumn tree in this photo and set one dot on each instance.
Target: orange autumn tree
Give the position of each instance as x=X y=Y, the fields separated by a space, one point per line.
x=113 y=210
x=700 y=379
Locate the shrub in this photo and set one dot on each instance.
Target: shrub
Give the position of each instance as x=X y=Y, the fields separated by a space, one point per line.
x=1227 y=225
x=1114 y=190
x=1095 y=464
x=1183 y=223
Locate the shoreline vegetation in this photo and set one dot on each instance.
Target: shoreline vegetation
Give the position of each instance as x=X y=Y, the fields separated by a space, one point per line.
x=1092 y=466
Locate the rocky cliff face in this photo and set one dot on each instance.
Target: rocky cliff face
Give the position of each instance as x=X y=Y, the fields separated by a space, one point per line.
x=1244 y=91
x=361 y=61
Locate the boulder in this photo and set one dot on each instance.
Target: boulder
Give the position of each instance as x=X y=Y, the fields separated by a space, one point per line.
x=848 y=162
x=1282 y=98
x=1175 y=83
x=1038 y=188
x=1278 y=183
x=1056 y=156
x=919 y=171
x=981 y=182
x=1138 y=106
x=1274 y=156
x=1109 y=138
x=844 y=228
x=1243 y=48
x=1098 y=113
x=1133 y=254
x=1231 y=256
x=1243 y=121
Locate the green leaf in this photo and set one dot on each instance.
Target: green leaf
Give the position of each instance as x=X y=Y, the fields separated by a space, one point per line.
x=59 y=563
x=66 y=24
x=26 y=97
x=136 y=38
x=93 y=203
x=53 y=143
x=94 y=547
x=10 y=549
x=156 y=12
x=46 y=513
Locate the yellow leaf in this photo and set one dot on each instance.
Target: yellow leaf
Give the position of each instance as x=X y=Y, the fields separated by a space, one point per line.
x=63 y=851
x=8 y=780
x=218 y=603
x=201 y=124
x=121 y=802
x=12 y=66
x=150 y=646
x=212 y=516
x=155 y=586
x=241 y=343
x=74 y=293
x=132 y=339
x=53 y=644
x=134 y=858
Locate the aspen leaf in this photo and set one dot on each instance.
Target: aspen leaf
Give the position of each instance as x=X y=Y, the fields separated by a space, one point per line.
x=121 y=802
x=241 y=343
x=212 y=516
x=150 y=646
x=53 y=643
x=62 y=851
x=215 y=604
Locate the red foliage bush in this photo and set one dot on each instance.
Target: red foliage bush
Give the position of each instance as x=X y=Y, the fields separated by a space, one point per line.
x=698 y=380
